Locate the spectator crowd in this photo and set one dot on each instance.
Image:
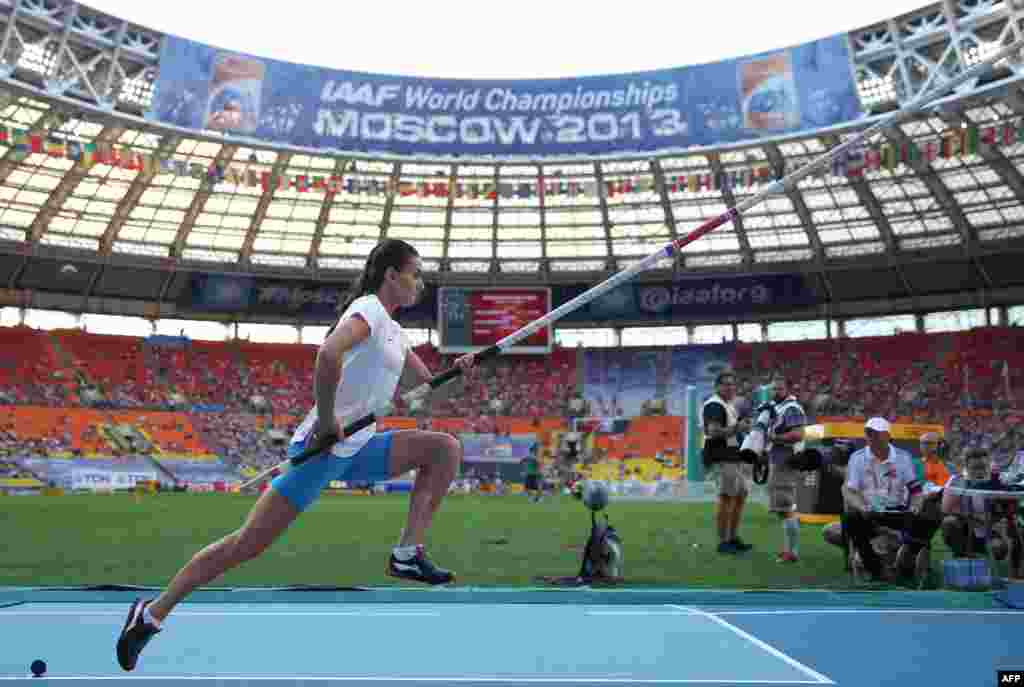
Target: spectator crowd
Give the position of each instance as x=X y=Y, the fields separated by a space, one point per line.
x=235 y=393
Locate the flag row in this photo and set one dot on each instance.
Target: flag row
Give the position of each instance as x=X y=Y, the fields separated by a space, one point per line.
x=956 y=143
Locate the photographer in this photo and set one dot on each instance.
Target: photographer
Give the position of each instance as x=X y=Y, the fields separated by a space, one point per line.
x=880 y=485
x=785 y=434
x=978 y=523
x=721 y=426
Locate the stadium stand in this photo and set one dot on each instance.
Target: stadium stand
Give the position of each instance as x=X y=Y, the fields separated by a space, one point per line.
x=969 y=381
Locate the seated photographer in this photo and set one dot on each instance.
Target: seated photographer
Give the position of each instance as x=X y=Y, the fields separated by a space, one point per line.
x=881 y=491
x=886 y=542
x=968 y=518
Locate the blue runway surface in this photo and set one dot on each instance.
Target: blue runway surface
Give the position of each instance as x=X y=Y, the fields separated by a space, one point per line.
x=504 y=644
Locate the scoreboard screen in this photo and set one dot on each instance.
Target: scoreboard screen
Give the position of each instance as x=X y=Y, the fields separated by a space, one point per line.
x=470 y=319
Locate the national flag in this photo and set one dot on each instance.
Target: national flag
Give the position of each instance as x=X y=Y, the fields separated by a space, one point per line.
x=950 y=144
x=911 y=153
x=969 y=145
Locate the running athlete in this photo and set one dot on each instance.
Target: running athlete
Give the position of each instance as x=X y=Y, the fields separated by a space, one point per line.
x=358 y=369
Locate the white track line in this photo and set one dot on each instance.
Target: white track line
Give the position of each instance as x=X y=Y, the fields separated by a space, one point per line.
x=792 y=662
x=457 y=679
x=872 y=611
x=674 y=614
x=246 y=614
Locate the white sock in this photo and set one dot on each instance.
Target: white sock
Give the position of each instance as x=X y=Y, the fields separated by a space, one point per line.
x=404 y=553
x=147 y=617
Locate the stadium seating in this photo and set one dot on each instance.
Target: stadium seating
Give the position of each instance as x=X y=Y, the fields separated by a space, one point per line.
x=971 y=381
x=29 y=370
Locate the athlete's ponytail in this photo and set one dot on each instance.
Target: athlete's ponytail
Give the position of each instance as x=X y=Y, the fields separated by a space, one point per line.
x=389 y=253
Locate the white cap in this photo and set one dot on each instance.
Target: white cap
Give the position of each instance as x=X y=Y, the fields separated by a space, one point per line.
x=878 y=424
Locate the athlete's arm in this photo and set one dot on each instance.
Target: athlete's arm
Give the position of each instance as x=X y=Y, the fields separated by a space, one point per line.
x=327 y=375
x=415 y=371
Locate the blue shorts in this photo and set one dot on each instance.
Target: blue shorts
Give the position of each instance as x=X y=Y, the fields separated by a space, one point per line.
x=302 y=485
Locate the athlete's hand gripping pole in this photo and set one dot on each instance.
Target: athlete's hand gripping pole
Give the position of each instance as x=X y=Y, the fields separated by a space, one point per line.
x=776 y=187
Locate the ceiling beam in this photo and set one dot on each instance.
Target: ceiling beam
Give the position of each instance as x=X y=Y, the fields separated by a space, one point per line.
x=131 y=199
x=942 y=195
x=276 y=172
x=313 y=262
x=495 y=214
x=67 y=185
x=602 y=189
x=730 y=202
x=870 y=202
x=542 y=201
x=202 y=195
x=41 y=126
x=449 y=212
x=995 y=158
x=389 y=201
x=800 y=206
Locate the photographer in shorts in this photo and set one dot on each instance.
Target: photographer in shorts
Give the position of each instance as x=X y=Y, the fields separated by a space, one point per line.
x=786 y=437
x=720 y=423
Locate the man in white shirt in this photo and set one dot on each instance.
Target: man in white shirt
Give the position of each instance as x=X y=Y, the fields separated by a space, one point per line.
x=880 y=482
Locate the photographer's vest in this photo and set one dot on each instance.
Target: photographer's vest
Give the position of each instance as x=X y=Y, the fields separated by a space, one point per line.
x=731 y=418
x=779 y=421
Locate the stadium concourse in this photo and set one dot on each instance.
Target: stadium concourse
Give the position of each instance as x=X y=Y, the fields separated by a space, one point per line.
x=179 y=224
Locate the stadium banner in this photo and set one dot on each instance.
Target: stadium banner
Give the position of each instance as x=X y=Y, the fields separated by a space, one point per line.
x=93 y=479
x=700 y=296
x=258 y=295
x=492 y=448
x=730 y=295
x=803 y=87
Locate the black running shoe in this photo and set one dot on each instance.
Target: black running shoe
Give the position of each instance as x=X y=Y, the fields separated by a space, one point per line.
x=419 y=568
x=135 y=636
x=741 y=545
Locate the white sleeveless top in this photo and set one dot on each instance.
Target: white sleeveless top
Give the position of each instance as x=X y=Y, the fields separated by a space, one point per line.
x=369 y=377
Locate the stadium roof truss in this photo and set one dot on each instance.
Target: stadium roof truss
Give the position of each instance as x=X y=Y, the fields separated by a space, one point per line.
x=72 y=72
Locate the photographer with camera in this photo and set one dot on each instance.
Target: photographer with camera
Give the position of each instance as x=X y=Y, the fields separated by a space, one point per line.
x=786 y=434
x=778 y=437
x=882 y=491
x=721 y=426
x=976 y=523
